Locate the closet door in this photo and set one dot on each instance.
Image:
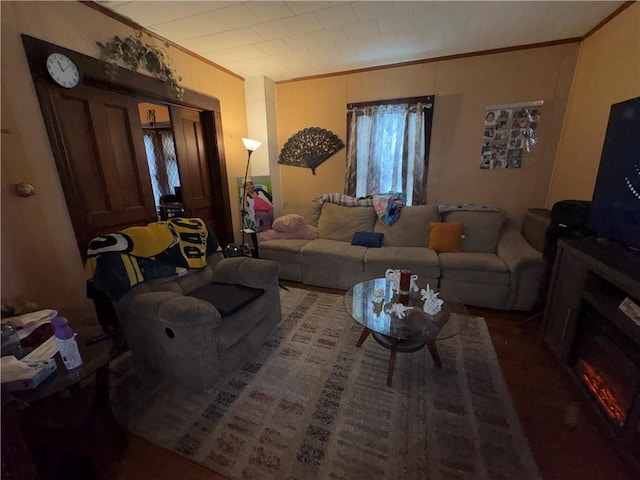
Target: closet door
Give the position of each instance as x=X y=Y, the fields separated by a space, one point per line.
x=99 y=149
x=193 y=163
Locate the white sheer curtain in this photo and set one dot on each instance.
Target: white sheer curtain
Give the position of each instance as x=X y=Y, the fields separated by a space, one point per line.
x=386 y=151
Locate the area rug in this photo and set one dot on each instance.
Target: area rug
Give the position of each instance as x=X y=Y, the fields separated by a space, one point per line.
x=311 y=405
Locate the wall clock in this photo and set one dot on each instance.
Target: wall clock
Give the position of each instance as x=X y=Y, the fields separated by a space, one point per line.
x=62 y=70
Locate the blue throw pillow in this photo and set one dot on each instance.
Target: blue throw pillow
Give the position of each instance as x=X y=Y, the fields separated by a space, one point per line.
x=367 y=239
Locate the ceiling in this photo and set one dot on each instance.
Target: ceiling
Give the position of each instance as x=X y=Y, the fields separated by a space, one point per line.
x=285 y=40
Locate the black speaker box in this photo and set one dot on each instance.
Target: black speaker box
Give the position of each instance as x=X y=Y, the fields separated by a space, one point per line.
x=568 y=221
x=570 y=214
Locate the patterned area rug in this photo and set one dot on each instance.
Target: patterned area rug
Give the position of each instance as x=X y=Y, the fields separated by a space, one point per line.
x=312 y=406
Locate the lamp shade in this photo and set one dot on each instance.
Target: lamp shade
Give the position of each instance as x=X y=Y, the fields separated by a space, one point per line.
x=251 y=145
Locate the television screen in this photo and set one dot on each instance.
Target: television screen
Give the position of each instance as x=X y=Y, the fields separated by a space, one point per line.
x=615 y=207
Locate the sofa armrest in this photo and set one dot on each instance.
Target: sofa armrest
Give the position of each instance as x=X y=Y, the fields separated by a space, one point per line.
x=174 y=309
x=516 y=252
x=526 y=266
x=251 y=272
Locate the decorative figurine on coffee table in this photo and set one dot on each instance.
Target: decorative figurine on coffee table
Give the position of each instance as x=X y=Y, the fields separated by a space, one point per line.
x=414 y=283
x=397 y=309
x=394 y=277
x=432 y=304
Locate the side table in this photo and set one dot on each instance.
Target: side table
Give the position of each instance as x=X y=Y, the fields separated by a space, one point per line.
x=68 y=428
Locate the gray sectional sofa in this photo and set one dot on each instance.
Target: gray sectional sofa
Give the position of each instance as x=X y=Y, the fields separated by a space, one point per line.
x=495 y=268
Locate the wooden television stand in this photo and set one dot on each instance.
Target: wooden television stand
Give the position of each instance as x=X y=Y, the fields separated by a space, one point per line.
x=597 y=344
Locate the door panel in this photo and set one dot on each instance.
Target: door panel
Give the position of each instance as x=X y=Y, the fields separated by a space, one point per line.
x=193 y=163
x=103 y=165
x=76 y=117
x=125 y=155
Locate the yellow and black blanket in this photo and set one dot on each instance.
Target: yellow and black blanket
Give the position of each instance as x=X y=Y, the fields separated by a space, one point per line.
x=118 y=261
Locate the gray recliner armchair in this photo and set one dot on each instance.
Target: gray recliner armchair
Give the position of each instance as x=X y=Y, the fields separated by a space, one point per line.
x=188 y=339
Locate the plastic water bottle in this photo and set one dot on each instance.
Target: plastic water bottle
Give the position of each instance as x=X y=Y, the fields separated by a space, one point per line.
x=67 y=345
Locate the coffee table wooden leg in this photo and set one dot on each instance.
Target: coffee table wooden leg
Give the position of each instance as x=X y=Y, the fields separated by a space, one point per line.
x=363 y=336
x=392 y=360
x=431 y=345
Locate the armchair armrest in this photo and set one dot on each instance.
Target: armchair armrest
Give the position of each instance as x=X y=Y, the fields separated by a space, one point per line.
x=174 y=309
x=527 y=268
x=176 y=335
x=251 y=272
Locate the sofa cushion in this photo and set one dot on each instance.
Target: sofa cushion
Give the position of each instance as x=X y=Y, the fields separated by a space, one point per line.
x=474 y=267
x=332 y=263
x=421 y=260
x=309 y=210
x=445 y=237
x=284 y=246
x=411 y=229
x=367 y=239
x=338 y=222
x=481 y=229
x=287 y=254
x=333 y=251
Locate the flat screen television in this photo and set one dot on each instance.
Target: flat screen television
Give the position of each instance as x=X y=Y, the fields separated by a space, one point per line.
x=615 y=207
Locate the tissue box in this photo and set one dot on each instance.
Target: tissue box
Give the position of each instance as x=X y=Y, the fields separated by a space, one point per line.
x=30 y=377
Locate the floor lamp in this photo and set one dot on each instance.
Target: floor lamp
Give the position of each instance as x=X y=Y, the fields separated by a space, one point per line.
x=251 y=146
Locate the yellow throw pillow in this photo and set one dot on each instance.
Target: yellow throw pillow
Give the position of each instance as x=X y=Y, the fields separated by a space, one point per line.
x=445 y=237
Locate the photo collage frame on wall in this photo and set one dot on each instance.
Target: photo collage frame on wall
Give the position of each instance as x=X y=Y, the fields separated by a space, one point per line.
x=507 y=134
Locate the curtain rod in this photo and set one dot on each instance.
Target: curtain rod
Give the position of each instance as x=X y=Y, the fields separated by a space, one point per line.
x=537 y=103
x=425 y=106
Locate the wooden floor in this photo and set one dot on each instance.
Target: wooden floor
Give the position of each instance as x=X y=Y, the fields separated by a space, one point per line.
x=544 y=398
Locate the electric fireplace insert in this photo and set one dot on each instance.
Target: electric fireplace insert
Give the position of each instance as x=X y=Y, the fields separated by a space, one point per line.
x=607 y=363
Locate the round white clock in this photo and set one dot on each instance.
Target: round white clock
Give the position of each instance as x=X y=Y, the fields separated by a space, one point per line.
x=62 y=70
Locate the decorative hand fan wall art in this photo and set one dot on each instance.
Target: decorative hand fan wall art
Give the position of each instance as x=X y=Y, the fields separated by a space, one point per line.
x=310 y=147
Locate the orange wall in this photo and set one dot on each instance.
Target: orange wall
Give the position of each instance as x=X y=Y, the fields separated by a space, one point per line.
x=40 y=259
x=463 y=88
x=607 y=72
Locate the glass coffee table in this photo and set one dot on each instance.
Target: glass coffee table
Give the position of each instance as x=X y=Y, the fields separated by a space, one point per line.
x=369 y=304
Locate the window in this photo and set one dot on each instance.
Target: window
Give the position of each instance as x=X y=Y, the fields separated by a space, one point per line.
x=388 y=147
x=161 y=157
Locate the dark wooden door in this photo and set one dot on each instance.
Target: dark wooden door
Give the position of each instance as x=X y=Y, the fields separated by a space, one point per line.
x=99 y=150
x=101 y=159
x=193 y=163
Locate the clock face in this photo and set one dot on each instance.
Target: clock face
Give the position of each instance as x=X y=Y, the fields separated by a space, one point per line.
x=62 y=70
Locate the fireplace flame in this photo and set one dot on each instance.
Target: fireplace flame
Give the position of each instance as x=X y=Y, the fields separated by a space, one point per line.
x=604 y=393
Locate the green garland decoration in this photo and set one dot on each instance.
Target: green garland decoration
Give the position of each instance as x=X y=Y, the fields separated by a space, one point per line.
x=134 y=54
